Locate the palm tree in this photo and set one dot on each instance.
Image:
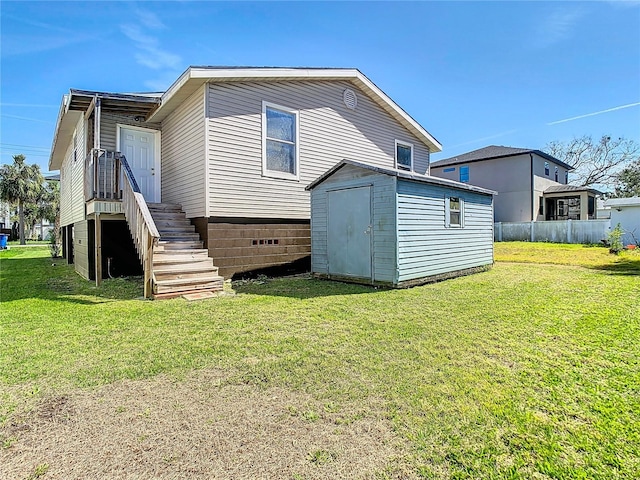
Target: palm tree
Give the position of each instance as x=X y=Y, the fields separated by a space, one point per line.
x=49 y=209
x=20 y=183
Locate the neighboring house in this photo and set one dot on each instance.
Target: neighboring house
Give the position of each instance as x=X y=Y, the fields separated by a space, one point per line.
x=531 y=184
x=232 y=148
x=391 y=227
x=626 y=212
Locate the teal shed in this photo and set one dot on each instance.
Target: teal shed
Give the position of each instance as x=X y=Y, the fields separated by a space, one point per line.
x=392 y=227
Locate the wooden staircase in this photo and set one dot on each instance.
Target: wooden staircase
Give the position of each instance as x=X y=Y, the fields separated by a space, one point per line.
x=180 y=263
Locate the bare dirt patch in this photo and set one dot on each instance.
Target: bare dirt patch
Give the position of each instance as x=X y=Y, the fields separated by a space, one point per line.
x=198 y=427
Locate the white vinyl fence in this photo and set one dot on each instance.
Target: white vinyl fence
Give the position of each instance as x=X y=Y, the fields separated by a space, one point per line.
x=555 y=231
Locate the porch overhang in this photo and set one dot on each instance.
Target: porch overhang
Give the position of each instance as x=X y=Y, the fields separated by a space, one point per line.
x=77 y=103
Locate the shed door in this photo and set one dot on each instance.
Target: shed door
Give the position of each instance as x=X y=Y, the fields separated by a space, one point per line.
x=138 y=146
x=349 y=232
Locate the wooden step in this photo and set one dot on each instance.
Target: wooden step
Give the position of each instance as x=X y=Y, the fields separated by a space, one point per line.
x=179 y=236
x=164 y=207
x=180 y=265
x=210 y=282
x=179 y=245
x=167 y=272
x=163 y=258
x=169 y=229
x=179 y=221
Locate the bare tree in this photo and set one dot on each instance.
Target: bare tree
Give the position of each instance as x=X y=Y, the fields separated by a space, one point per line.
x=595 y=161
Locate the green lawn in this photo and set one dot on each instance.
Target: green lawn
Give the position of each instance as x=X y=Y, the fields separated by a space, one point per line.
x=529 y=370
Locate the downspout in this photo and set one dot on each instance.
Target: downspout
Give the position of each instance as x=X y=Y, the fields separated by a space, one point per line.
x=532 y=188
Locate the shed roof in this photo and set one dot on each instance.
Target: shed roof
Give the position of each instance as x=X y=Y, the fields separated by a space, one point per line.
x=623 y=202
x=495 y=151
x=414 y=177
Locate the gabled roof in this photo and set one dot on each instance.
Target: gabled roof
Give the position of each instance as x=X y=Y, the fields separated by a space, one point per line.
x=495 y=151
x=194 y=77
x=404 y=174
x=571 y=189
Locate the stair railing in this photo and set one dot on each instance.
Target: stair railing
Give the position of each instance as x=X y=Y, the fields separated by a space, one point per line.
x=143 y=228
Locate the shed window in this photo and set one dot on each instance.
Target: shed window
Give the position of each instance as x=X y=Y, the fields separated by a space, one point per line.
x=454 y=212
x=404 y=156
x=464 y=174
x=546 y=168
x=280 y=141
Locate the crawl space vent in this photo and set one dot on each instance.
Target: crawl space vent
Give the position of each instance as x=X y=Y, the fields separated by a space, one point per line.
x=350 y=99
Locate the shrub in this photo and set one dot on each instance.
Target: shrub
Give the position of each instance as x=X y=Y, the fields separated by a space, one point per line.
x=615 y=239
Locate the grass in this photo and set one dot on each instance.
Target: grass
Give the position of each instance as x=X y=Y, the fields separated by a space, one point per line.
x=528 y=370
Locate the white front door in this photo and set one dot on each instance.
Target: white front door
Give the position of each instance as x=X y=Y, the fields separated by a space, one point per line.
x=139 y=147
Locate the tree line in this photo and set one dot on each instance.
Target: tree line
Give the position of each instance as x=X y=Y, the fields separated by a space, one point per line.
x=28 y=195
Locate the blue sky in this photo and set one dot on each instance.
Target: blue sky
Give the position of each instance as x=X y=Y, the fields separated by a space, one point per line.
x=472 y=73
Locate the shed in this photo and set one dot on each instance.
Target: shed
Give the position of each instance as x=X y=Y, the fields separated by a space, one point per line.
x=397 y=228
x=626 y=212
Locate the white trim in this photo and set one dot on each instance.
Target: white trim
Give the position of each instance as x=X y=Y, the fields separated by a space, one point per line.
x=157 y=158
x=195 y=76
x=447 y=212
x=395 y=155
x=275 y=173
x=207 y=194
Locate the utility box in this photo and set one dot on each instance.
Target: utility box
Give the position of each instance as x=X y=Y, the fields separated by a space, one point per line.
x=397 y=228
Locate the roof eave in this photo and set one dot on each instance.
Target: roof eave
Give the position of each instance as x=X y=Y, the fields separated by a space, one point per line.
x=401 y=174
x=194 y=77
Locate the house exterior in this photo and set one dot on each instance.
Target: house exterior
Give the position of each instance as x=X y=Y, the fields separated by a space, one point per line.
x=386 y=226
x=532 y=185
x=626 y=212
x=231 y=149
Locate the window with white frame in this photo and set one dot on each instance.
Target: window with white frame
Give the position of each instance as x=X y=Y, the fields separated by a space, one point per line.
x=404 y=155
x=280 y=141
x=556 y=173
x=454 y=212
x=546 y=168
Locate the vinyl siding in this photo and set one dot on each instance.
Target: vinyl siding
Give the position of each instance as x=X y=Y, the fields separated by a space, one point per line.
x=328 y=133
x=81 y=248
x=383 y=220
x=109 y=128
x=183 y=156
x=72 y=180
x=426 y=246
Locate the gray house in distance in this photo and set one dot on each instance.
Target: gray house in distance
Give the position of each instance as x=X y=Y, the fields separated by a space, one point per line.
x=532 y=185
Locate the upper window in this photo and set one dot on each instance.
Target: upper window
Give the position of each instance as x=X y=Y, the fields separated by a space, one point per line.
x=546 y=168
x=556 y=174
x=454 y=216
x=280 y=141
x=404 y=156
x=566 y=177
x=464 y=174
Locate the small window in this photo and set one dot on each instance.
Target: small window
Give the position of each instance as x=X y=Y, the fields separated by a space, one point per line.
x=455 y=212
x=447 y=170
x=556 y=174
x=464 y=174
x=280 y=141
x=404 y=156
x=566 y=177
x=546 y=168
